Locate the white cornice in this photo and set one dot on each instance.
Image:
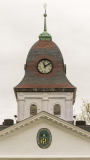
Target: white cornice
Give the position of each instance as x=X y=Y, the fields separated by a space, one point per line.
x=48 y=116
x=42 y=93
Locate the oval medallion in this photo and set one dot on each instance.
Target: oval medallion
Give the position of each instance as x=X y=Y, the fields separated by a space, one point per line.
x=44 y=138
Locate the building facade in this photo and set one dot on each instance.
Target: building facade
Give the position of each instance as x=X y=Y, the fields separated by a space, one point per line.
x=45 y=99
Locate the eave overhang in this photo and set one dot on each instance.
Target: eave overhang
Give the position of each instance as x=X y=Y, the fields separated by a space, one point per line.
x=46 y=90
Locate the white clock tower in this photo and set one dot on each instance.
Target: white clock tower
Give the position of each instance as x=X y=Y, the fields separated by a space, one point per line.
x=45 y=86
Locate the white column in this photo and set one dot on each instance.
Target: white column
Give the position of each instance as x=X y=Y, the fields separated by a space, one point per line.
x=20 y=111
x=63 y=107
x=69 y=110
x=45 y=105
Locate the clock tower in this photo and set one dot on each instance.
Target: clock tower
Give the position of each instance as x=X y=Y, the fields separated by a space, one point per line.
x=45 y=86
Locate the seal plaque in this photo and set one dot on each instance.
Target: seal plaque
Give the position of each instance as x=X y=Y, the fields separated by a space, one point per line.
x=44 y=138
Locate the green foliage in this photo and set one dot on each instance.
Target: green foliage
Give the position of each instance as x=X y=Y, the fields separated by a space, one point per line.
x=85 y=112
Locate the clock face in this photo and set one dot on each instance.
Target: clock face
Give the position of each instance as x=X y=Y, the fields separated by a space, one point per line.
x=44 y=66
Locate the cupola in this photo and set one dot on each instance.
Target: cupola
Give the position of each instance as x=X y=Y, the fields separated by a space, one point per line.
x=45 y=75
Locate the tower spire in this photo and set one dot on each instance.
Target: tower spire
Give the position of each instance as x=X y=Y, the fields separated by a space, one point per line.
x=45 y=15
x=45 y=35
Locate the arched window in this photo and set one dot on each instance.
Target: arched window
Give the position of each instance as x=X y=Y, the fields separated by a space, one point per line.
x=57 y=109
x=33 y=109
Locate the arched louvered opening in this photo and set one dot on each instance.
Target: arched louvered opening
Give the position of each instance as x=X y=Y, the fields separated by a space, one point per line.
x=57 y=109
x=33 y=110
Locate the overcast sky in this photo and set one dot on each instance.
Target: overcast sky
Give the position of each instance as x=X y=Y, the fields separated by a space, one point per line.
x=21 y=22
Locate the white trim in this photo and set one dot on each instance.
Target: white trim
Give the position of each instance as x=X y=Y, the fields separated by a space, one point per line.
x=60 y=108
x=49 y=117
x=29 y=104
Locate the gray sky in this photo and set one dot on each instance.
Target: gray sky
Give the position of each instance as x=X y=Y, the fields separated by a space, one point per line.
x=21 y=22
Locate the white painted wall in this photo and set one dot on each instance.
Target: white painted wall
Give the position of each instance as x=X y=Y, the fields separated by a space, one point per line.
x=45 y=101
x=23 y=141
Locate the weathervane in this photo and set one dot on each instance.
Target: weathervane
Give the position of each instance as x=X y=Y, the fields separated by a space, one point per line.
x=45 y=35
x=45 y=5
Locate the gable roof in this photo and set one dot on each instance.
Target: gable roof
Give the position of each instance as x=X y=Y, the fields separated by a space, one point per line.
x=48 y=116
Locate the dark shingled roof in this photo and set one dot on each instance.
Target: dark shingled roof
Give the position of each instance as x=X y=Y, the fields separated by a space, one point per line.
x=45 y=44
x=55 y=79
x=3 y=127
x=85 y=127
x=59 y=79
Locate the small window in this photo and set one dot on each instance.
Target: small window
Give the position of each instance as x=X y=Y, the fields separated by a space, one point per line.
x=57 y=109
x=33 y=109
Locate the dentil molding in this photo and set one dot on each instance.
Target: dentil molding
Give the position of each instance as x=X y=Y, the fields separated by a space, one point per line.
x=44 y=93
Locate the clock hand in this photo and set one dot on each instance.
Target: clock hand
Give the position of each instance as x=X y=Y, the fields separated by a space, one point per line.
x=44 y=64
x=47 y=64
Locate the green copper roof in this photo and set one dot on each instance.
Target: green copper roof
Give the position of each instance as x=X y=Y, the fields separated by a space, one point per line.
x=45 y=35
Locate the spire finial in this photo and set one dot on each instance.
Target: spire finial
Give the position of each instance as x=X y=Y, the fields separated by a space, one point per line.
x=45 y=5
x=45 y=15
x=45 y=35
